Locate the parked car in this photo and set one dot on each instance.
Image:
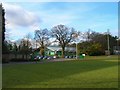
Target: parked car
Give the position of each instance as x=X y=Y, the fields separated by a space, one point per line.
x=50 y=57
x=41 y=57
x=71 y=56
x=45 y=57
x=54 y=57
x=66 y=56
x=38 y=57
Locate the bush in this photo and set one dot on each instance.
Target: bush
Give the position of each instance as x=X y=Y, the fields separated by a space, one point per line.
x=6 y=58
x=19 y=60
x=95 y=53
x=95 y=50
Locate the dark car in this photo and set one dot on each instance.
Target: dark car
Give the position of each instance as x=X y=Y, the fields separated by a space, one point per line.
x=45 y=57
x=38 y=57
x=50 y=57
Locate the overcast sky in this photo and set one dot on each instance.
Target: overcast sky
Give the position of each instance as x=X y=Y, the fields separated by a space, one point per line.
x=25 y=17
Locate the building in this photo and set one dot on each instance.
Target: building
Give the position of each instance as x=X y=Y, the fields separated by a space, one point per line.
x=56 y=50
x=116 y=50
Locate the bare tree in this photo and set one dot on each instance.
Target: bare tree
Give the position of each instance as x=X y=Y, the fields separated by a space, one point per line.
x=42 y=37
x=25 y=47
x=87 y=35
x=64 y=36
x=28 y=38
x=15 y=49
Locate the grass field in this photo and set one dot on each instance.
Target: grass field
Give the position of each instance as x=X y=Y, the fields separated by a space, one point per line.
x=92 y=72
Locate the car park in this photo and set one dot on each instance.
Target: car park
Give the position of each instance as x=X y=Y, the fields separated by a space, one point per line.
x=38 y=57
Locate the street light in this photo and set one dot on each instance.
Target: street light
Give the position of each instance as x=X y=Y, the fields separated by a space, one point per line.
x=75 y=35
x=108 y=42
x=76 y=51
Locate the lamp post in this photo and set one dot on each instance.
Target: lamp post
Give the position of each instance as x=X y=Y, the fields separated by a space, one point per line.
x=75 y=35
x=76 y=51
x=108 y=42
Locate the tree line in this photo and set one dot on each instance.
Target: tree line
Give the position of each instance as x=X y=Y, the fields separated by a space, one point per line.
x=91 y=43
x=97 y=43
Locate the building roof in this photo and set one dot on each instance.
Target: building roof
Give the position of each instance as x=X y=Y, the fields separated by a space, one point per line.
x=57 y=48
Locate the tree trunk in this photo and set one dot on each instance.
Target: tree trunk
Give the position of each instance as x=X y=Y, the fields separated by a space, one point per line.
x=42 y=51
x=15 y=56
x=63 y=52
x=22 y=56
x=26 y=56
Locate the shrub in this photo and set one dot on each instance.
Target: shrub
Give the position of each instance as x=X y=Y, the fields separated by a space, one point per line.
x=95 y=49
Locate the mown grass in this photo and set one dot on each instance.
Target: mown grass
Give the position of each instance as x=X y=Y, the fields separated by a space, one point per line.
x=92 y=72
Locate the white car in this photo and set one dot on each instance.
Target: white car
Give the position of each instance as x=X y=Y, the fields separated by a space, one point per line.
x=54 y=57
x=83 y=55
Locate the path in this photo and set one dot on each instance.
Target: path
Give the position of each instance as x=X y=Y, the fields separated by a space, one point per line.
x=39 y=62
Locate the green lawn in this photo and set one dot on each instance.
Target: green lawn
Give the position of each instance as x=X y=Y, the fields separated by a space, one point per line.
x=92 y=72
